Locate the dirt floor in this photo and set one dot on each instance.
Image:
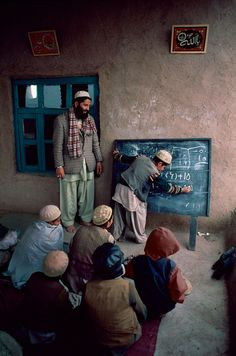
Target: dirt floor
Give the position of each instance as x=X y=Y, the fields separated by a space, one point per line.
x=200 y=325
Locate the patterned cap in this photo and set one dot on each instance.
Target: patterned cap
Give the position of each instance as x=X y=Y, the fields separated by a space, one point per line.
x=55 y=263
x=82 y=94
x=102 y=214
x=164 y=156
x=49 y=213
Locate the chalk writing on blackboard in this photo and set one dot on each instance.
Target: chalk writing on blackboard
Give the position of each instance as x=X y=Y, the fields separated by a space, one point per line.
x=190 y=166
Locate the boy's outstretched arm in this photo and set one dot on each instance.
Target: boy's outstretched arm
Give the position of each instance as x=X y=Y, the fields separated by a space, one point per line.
x=117 y=156
x=170 y=188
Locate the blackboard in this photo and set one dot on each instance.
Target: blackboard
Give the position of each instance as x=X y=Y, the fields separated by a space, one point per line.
x=191 y=165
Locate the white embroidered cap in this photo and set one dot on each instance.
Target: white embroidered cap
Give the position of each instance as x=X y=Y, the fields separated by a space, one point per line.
x=164 y=156
x=49 y=213
x=82 y=94
x=55 y=263
x=102 y=214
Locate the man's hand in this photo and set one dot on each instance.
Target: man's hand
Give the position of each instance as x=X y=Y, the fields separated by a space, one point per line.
x=115 y=151
x=60 y=173
x=116 y=155
x=99 y=168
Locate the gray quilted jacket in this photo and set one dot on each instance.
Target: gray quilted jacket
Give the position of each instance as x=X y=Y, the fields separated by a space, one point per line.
x=91 y=147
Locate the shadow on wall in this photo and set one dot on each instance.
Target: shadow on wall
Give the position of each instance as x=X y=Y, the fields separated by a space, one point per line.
x=230 y=240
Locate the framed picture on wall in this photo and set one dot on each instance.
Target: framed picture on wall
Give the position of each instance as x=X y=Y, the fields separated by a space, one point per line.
x=189 y=38
x=44 y=43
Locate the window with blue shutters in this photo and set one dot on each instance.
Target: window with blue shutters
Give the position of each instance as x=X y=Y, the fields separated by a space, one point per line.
x=36 y=104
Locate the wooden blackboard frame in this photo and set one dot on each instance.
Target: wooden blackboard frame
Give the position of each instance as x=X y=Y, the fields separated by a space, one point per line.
x=191 y=166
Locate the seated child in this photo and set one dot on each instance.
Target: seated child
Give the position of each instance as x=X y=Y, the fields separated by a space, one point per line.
x=37 y=240
x=83 y=245
x=114 y=307
x=10 y=303
x=46 y=307
x=158 y=280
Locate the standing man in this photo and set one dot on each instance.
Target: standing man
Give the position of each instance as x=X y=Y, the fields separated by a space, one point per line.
x=132 y=191
x=77 y=155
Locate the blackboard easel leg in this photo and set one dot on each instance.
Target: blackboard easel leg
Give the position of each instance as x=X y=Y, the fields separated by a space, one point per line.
x=192 y=233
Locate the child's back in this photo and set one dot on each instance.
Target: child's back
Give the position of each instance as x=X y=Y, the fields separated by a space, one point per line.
x=158 y=280
x=113 y=304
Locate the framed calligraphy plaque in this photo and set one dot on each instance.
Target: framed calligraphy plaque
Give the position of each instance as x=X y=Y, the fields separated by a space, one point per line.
x=189 y=38
x=44 y=43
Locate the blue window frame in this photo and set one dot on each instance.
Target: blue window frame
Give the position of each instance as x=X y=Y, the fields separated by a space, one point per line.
x=36 y=104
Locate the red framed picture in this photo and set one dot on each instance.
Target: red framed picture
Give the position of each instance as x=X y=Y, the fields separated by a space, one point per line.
x=44 y=43
x=189 y=38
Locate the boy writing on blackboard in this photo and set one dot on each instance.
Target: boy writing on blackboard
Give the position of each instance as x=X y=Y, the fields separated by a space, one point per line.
x=131 y=193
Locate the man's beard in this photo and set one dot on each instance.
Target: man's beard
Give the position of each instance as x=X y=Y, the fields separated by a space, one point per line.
x=80 y=113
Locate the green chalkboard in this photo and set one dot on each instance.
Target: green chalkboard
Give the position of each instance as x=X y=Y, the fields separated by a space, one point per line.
x=190 y=166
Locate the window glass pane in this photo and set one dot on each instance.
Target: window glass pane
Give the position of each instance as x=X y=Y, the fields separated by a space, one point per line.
x=54 y=96
x=29 y=129
x=31 y=156
x=91 y=91
x=48 y=126
x=31 y=98
x=49 y=161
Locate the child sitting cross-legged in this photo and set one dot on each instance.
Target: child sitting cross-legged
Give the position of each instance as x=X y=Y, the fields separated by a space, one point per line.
x=114 y=307
x=158 y=280
x=36 y=242
x=83 y=245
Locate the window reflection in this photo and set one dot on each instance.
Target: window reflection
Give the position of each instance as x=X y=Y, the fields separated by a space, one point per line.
x=31 y=96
